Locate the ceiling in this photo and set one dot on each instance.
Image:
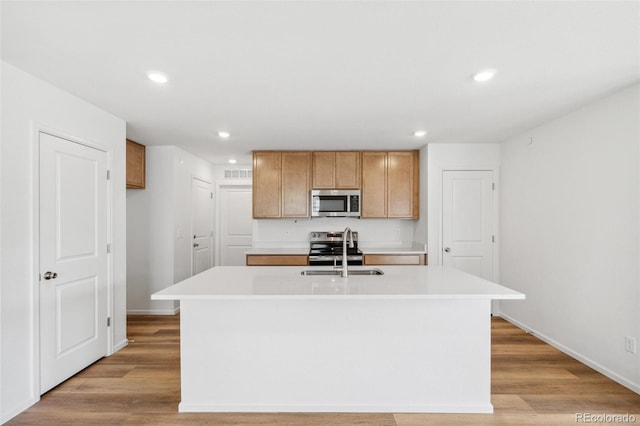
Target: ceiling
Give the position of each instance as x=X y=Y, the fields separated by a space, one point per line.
x=326 y=74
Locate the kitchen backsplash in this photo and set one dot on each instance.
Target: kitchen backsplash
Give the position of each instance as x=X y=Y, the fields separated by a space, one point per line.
x=290 y=233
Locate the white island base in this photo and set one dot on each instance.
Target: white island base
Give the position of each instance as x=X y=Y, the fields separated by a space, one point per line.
x=326 y=344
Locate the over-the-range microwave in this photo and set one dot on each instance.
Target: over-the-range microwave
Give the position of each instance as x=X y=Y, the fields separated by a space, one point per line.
x=335 y=203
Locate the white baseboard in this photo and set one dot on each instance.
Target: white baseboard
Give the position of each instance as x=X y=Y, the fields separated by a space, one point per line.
x=583 y=359
x=120 y=345
x=8 y=416
x=153 y=311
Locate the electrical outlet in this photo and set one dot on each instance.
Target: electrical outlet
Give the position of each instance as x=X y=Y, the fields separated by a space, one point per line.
x=630 y=344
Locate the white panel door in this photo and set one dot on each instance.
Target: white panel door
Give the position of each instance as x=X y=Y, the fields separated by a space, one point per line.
x=73 y=258
x=236 y=225
x=201 y=225
x=467 y=221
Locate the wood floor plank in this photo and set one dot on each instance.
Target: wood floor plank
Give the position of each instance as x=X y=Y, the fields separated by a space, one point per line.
x=532 y=384
x=284 y=419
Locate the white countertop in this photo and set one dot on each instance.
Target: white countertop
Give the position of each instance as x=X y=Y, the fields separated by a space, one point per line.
x=286 y=282
x=415 y=248
x=278 y=251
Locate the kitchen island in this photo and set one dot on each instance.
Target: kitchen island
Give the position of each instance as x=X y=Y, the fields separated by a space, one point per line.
x=268 y=339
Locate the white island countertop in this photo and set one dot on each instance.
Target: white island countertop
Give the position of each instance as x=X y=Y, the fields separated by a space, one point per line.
x=286 y=282
x=400 y=249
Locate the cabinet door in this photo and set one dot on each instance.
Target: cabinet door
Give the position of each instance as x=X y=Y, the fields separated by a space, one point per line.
x=324 y=164
x=136 y=164
x=402 y=183
x=266 y=184
x=277 y=260
x=347 y=174
x=394 y=259
x=296 y=183
x=374 y=184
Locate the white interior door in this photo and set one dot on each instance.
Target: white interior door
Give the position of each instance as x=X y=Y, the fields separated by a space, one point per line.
x=73 y=258
x=201 y=225
x=467 y=221
x=236 y=225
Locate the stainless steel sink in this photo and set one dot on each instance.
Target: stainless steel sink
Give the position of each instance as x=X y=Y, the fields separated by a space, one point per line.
x=339 y=272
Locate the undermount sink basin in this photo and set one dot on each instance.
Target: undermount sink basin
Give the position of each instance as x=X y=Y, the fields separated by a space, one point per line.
x=339 y=272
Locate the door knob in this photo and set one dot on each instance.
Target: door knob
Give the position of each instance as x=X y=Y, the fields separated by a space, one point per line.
x=447 y=249
x=196 y=245
x=50 y=275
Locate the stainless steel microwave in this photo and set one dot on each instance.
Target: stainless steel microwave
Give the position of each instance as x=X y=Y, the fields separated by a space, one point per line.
x=335 y=203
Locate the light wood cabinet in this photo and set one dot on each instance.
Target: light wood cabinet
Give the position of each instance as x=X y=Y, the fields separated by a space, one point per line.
x=136 y=165
x=296 y=183
x=281 y=184
x=267 y=184
x=324 y=166
x=277 y=260
x=336 y=170
x=390 y=184
x=402 y=184
x=388 y=180
x=374 y=185
x=395 y=259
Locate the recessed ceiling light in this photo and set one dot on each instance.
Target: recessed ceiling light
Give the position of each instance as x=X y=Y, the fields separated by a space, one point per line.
x=484 y=75
x=158 y=77
x=224 y=135
x=420 y=133
x=232 y=161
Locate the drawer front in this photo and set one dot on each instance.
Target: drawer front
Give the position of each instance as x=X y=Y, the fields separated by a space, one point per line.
x=277 y=260
x=394 y=259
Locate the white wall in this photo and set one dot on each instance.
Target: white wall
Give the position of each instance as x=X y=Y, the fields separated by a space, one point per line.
x=288 y=233
x=159 y=246
x=452 y=157
x=26 y=103
x=570 y=232
x=420 y=226
x=150 y=216
x=186 y=166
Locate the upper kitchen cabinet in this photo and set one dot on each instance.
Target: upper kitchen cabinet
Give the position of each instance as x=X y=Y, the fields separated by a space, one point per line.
x=374 y=185
x=296 y=183
x=281 y=184
x=267 y=184
x=336 y=170
x=136 y=165
x=390 y=184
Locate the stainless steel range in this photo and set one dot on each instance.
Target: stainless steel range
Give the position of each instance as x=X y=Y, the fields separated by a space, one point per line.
x=326 y=249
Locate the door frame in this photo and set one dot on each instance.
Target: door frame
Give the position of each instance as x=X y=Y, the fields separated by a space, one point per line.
x=435 y=254
x=212 y=221
x=36 y=129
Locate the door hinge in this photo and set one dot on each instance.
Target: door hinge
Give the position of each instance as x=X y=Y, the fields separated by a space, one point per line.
x=108 y=321
x=212 y=195
x=108 y=174
x=108 y=248
x=493 y=238
x=493 y=186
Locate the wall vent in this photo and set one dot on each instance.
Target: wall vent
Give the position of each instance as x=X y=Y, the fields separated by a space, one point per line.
x=238 y=174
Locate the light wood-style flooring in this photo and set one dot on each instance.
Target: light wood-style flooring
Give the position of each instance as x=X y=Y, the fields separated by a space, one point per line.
x=532 y=384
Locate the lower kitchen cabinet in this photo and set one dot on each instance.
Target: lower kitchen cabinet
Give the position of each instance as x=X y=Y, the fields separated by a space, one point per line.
x=395 y=259
x=277 y=260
